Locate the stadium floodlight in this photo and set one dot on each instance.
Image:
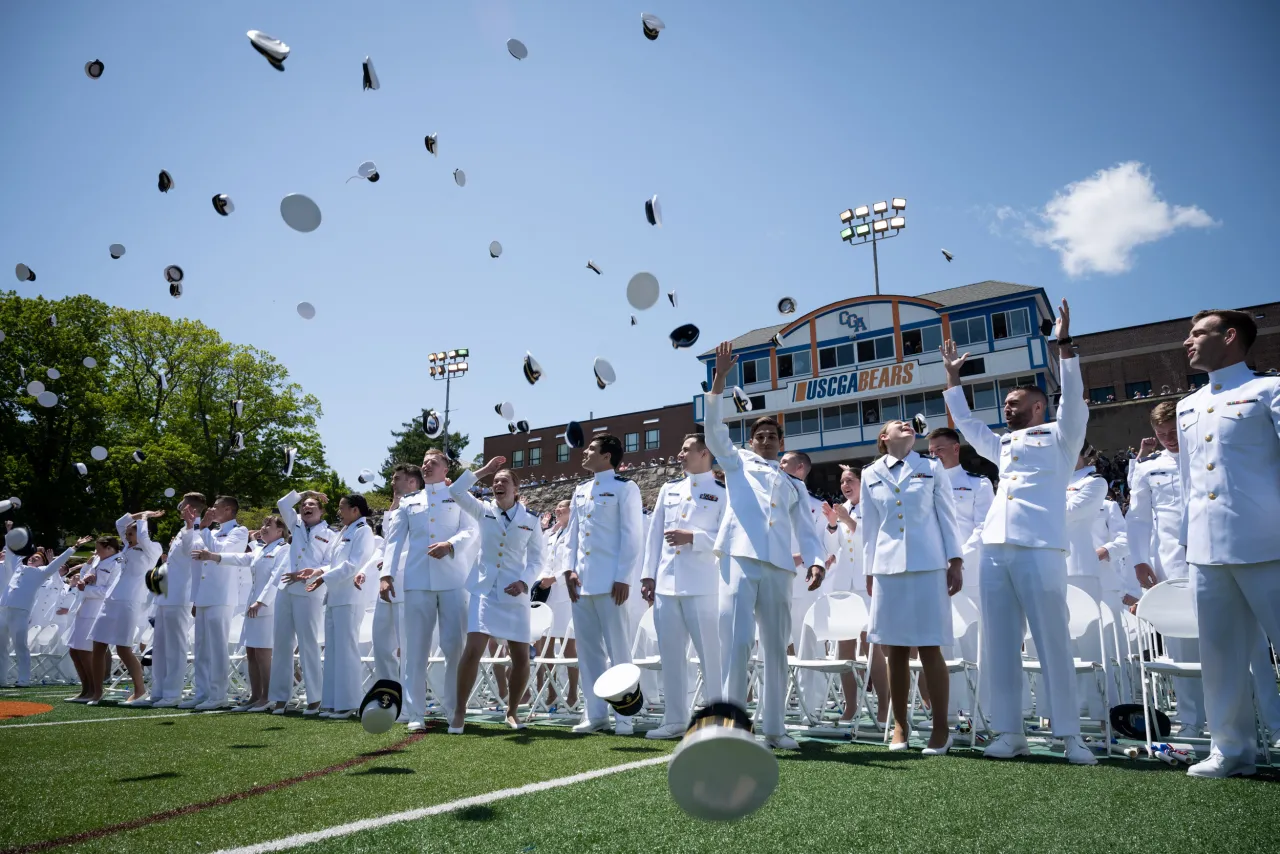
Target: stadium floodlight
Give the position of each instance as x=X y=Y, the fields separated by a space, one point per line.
x=862 y=212
x=451 y=365
x=898 y=222
x=880 y=207
x=846 y=234
x=899 y=204
x=863 y=229
x=846 y=216
x=880 y=225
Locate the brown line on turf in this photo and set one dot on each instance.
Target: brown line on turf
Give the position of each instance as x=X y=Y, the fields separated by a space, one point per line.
x=178 y=812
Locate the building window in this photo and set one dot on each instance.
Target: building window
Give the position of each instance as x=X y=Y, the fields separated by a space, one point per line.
x=755 y=371
x=562 y=453
x=735 y=432
x=970 y=331
x=535 y=457
x=841 y=417
x=917 y=341
x=870 y=412
x=981 y=395
x=973 y=367
x=735 y=377
x=874 y=349
x=838 y=356
x=1194 y=381
x=802 y=423
x=1102 y=394
x=930 y=403
x=1010 y=324
x=517 y=459
x=1008 y=384
x=890 y=409
x=1136 y=390
x=798 y=364
x=651 y=440
x=631 y=442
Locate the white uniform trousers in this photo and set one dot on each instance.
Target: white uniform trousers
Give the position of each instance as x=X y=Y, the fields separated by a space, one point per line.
x=753 y=592
x=678 y=619
x=343 y=671
x=602 y=637
x=298 y=620
x=1190 y=692
x=13 y=630
x=170 y=643
x=213 y=653
x=388 y=623
x=423 y=609
x=1023 y=586
x=1231 y=602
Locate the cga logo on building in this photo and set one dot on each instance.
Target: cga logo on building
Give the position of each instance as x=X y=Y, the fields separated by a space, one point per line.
x=853 y=321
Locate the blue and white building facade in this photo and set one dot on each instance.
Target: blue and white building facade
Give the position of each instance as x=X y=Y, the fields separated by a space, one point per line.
x=834 y=375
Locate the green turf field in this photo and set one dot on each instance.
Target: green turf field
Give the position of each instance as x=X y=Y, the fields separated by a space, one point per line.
x=164 y=781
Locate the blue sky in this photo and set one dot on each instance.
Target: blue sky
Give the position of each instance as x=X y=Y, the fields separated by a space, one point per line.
x=756 y=123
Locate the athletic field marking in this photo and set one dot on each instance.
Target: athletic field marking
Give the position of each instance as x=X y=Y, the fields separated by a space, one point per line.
x=178 y=812
x=111 y=720
x=439 y=809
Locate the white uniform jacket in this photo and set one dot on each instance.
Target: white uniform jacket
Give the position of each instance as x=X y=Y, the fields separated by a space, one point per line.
x=1036 y=465
x=179 y=567
x=104 y=574
x=308 y=548
x=766 y=505
x=512 y=547
x=1155 y=507
x=973 y=495
x=212 y=583
x=263 y=564
x=846 y=573
x=1111 y=533
x=430 y=515
x=1085 y=496
x=1228 y=460
x=349 y=555
x=908 y=516
x=137 y=560
x=605 y=533
x=26 y=581
x=694 y=503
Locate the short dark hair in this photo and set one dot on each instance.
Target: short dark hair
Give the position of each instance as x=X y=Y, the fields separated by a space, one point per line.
x=196 y=500
x=110 y=542
x=1033 y=389
x=854 y=469
x=764 y=421
x=700 y=437
x=413 y=471
x=359 y=502
x=229 y=499
x=609 y=444
x=944 y=433
x=804 y=459
x=1228 y=318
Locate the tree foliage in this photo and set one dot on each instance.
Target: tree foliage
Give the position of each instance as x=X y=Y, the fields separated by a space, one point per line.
x=161 y=386
x=411 y=444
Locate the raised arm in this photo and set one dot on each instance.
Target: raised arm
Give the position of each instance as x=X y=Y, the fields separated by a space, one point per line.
x=978 y=434
x=122 y=525
x=716 y=431
x=57 y=563
x=468 y=503
x=285 y=505
x=1073 y=413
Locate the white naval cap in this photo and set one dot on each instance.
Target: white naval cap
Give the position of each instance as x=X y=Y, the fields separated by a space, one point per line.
x=532 y=370
x=290 y=457
x=495 y=249
x=605 y=374
x=947 y=255
x=13 y=503
x=80 y=468
x=170 y=492
x=306 y=310
x=652 y=25
x=138 y=456
x=116 y=250
x=271 y=48
x=741 y=402
x=89 y=362
x=459 y=177
x=619 y=686
x=47 y=399
x=786 y=305
x=35 y=388
x=505 y=410
x=98 y=453
x=516 y=48
x=592 y=265
x=381 y=706
x=368 y=171
x=173 y=274
x=53 y=373
x=165 y=181
x=684 y=336
x=175 y=289
x=300 y=213
x=24 y=273
x=223 y=205
x=653 y=211
x=574 y=435
x=643 y=291
x=432 y=424
x=432 y=142
x=93 y=69
x=370 y=76
x=237 y=407
x=719 y=771
x=367 y=476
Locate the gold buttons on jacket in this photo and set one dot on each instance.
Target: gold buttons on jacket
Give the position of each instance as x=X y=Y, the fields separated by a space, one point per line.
x=1013 y=477
x=899 y=515
x=1208 y=437
x=895 y=489
x=1209 y=467
x=1210 y=409
x=899 y=503
x=1213 y=496
x=901 y=530
x=771 y=504
x=1015 y=458
x=1217 y=386
x=586 y=533
x=1010 y=497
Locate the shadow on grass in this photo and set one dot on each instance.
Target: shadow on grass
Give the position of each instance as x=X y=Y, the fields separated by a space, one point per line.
x=382 y=771
x=386 y=751
x=165 y=723
x=637 y=748
x=273 y=729
x=480 y=813
x=246 y=746
x=147 y=778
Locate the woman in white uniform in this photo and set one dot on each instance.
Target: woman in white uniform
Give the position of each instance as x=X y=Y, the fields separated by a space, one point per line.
x=94 y=583
x=117 y=622
x=511 y=556
x=259 y=624
x=912 y=558
x=557 y=542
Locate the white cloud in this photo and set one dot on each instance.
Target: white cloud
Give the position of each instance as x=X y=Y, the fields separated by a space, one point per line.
x=1096 y=224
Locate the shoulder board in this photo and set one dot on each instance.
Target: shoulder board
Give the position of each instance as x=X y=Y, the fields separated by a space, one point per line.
x=719 y=483
x=623 y=478
x=793 y=477
x=1095 y=474
x=676 y=479
x=926 y=456
x=1272 y=373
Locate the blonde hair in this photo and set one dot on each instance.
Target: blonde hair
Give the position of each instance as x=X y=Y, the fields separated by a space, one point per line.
x=881 y=445
x=1164 y=412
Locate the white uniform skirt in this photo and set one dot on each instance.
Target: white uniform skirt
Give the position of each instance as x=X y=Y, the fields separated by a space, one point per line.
x=499 y=616
x=911 y=609
x=259 y=631
x=117 y=623
x=85 y=618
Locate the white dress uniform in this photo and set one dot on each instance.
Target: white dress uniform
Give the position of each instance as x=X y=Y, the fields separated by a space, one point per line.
x=846 y=572
x=171 y=640
x=16 y=602
x=605 y=544
x=909 y=536
x=264 y=565
x=558 y=595
x=388 y=622
x=213 y=590
x=972 y=494
x=434 y=590
x=802 y=598
x=1155 y=513
x=1111 y=533
x=299 y=615
x=1229 y=468
x=117 y=622
x=103 y=575
x=512 y=548
x=766 y=506
x=344 y=609
x=1086 y=505
x=686 y=585
x=1024 y=540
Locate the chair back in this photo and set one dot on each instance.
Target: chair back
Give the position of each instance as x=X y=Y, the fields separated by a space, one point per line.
x=1170 y=608
x=1083 y=612
x=646 y=634
x=837 y=616
x=540 y=619
x=963 y=614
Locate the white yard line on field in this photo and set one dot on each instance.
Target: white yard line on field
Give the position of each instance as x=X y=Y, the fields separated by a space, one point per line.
x=425 y=812
x=110 y=720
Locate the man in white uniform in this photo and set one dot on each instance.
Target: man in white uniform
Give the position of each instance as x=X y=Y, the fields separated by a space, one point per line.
x=1229 y=468
x=604 y=551
x=1086 y=501
x=682 y=580
x=429 y=553
x=17 y=600
x=388 y=614
x=1024 y=540
x=214 y=588
x=766 y=507
x=299 y=613
x=171 y=639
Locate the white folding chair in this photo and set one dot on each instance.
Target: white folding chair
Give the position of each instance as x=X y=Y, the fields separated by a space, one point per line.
x=1167 y=608
x=834 y=617
x=555 y=661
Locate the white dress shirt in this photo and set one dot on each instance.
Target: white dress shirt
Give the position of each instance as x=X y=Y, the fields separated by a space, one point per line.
x=213 y=584
x=605 y=533
x=1036 y=465
x=512 y=547
x=908 y=516
x=308 y=548
x=1085 y=496
x=972 y=494
x=694 y=503
x=263 y=564
x=136 y=562
x=1155 y=507
x=26 y=581
x=430 y=515
x=1228 y=460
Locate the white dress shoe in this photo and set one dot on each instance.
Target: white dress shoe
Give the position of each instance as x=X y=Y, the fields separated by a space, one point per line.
x=339 y=716
x=92 y=702
x=212 y=705
x=1007 y=746
x=667 y=731
x=781 y=742
x=22 y=685
x=278 y=711
x=896 y=746
x=1218 y=765
x=417 y=726
x=75 y=699
x=311 y=713
x=621 y=727
x=325 y=714
x=590 y=726
x=938 y=751
x=456 y=730
x=140 y=703
x=166 y=703
x=246 y=707
x=190 y=703
x=261 y=708
x=1077 y=753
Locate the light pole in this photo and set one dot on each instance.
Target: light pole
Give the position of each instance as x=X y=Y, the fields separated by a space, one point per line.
x=877 y=229
x=447 y=366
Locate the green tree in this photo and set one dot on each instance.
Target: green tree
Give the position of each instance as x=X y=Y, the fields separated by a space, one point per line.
x=411 y=444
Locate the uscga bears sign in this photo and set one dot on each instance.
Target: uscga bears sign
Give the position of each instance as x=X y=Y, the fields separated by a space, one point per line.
x=851 y=382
